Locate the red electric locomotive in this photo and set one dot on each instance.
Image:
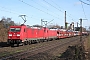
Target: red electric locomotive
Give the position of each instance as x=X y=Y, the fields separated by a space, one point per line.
x=28 y=35
x=16 y=34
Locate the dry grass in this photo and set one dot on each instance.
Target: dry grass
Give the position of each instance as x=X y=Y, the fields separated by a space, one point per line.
x=3 y=33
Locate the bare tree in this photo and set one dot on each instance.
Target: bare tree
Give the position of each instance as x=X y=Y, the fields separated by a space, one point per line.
x=7 y=22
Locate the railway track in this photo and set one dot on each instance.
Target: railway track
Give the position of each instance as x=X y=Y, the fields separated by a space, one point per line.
x=44 y=48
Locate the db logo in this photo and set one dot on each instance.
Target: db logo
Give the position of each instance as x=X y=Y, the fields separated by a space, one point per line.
x=14 y=35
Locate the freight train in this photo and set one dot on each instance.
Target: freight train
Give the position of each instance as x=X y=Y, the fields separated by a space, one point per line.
x=26 y=35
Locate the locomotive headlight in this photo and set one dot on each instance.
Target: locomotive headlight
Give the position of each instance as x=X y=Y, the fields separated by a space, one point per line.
x=18 y=34
x=10 y=34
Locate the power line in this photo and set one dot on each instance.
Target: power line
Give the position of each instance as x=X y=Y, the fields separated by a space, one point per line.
x=52 y=5
x=13 y=12
x=88 y=0
x=16 y=14
x=56 y=7
x=83 y=10
x=83 y=7
x=84 y=2
x=37 y=8
x=8 y=11
x=43 y=7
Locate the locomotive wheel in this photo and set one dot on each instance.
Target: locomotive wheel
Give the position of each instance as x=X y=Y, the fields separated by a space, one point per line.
x=29 y=42
x=25 y=42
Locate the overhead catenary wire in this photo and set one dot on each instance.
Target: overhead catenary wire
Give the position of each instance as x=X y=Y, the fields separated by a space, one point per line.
x=10 y=10
x=58 y=8
x=30 y=17
x=84 y=2
x=83 y=10
x=38 y=9
x=68 y=14
x=88 y=0
x=17 y=14
x=44 y=7
x=5 y=9
x=52 y=6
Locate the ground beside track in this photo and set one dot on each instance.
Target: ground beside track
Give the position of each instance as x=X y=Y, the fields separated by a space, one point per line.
x=56 y=53
x=77 y=52
x=87 y=47
x=46 y=55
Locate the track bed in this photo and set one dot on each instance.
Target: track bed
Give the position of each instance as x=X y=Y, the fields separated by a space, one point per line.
x=46 y=50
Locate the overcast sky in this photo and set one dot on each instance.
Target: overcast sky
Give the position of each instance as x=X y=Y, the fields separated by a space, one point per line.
x=48 y=10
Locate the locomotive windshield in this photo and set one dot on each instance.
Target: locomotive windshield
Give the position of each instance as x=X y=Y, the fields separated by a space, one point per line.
x=14 y=29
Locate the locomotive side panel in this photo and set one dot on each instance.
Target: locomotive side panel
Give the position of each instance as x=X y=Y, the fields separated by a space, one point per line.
x=53 y=33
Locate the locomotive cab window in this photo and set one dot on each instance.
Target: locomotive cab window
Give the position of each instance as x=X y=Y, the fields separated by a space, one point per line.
x=17 y=29
x=14 y=29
